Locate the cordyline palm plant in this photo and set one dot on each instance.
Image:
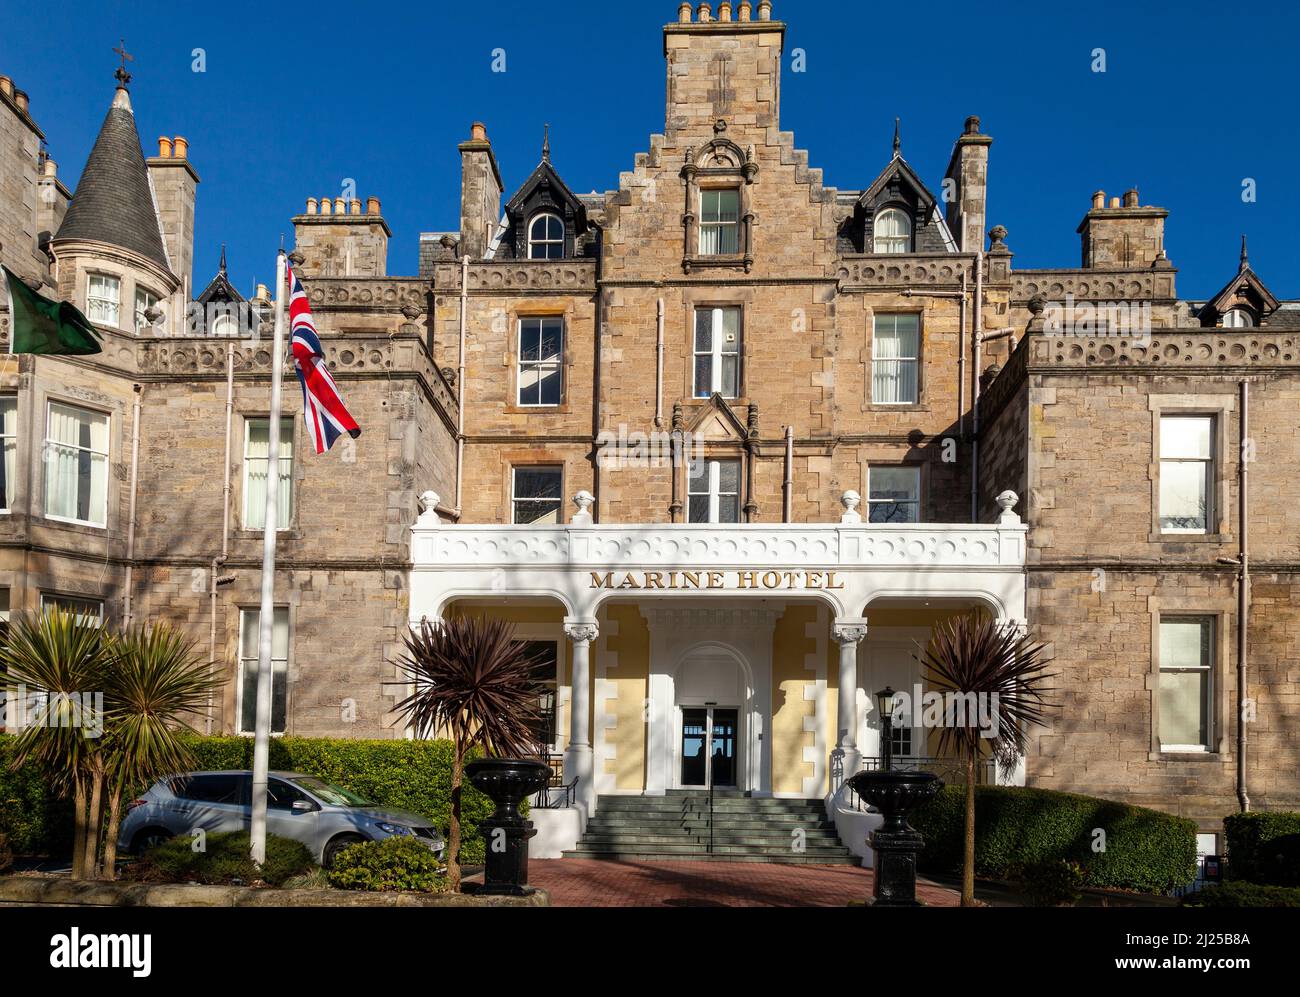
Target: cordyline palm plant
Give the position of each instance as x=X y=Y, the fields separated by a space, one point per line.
x=474 y=683
x=996 y=666
x=60 y=657
x=154 y=683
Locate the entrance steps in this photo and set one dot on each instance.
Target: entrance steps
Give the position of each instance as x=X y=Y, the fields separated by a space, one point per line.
x=678 y=827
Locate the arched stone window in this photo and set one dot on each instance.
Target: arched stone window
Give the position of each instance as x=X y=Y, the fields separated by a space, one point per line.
x=891 y=231
x=546 y=237
x=1238 y=318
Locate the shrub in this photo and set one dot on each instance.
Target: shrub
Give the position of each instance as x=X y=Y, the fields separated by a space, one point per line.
x=6 y=853
x=224 y=860
x=35 y=820
x=1054 y=883
x=1017 y=827
x=390 y=864
x=1264 y=847
x=1242 y=894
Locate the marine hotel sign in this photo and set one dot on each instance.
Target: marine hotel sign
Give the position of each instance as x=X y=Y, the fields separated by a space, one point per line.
x=743 y=579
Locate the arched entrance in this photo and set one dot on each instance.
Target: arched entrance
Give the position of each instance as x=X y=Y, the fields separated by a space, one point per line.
x=713 y=699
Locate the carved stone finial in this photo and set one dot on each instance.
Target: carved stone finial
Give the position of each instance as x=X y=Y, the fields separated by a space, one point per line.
x=997 y=238
x=297 y=259
x=851 y=500
x=1007 y=502
x=584 y=500
x=411 y=311
x=429 y=509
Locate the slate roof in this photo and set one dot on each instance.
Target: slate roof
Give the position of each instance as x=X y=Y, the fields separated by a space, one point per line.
x=114 y=202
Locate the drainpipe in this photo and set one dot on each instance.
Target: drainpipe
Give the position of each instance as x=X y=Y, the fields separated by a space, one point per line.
x=213 y=579
x=961 y=360
x=975 y=386
x=659 y=366
x=130 y=515
x=787 y=485
x=1243 y=597
x=460 y=383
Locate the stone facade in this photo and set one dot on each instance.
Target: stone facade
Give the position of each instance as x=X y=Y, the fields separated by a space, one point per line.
x=434 y=368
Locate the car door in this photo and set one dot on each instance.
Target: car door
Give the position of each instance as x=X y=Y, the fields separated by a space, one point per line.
x=213 y=802
x=284 y=821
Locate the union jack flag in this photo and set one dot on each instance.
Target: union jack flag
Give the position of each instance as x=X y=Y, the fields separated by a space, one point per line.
x=326 y=416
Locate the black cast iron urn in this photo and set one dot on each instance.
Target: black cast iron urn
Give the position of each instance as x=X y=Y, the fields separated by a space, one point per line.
x=895 y=844
x=506 y=782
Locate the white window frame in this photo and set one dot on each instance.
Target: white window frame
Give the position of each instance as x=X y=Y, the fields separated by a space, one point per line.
x=893 y=243
x=95 y=456
x=514 y=498
x=1237 y=318
x=717 y=351
x=244 y=662
x=150 y=299
x=915 y=503
x=714 y=486
x=548 y=241
x=541 y=367
x=103 y=309
x=52 y=599
x=718 y=225
x=902 y=363
x=1207 y=666
x=8 y=448
x=286 y=435
x=1209 y=470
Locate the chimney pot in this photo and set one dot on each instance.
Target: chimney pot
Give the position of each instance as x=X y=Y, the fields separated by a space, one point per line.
x=1099 y=199
x=478 y=132
x=1114 y=202
x=20 y=98
x=263 y=292
x=340 y=206
x=51 y=169
x=372 y=206
x=765 y=10
x=703 y=13
x=164 y=147
x=745 y=10
x=724 y=11
x=311 y=205
x=1131 y=198
x=973 y=125
x=354 y=207
x=6 y=86
x=684 y=13
x=180 y=148
x=325 y=205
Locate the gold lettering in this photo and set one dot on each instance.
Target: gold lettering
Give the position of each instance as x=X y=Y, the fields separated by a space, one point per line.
x=654 y=579
x=605 y=581
x=775 y=577
x=747 y=579
x=830 y=581
x=789 y=578
x=715 y=579
x=629 y=582
x=691 y=577
x=813 y=580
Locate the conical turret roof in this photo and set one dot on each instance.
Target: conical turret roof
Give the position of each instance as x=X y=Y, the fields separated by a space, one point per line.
x=113 y=202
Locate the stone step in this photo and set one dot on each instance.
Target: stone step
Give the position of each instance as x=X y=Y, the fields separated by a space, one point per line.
x=599 y=824
x=842 y=857
x=774 y=843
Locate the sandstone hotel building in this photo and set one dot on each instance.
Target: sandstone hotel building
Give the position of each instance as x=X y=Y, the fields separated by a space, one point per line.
x=726 y=441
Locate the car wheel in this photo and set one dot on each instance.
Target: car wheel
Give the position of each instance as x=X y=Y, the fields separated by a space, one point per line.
x=337 y=844
x=146 y=839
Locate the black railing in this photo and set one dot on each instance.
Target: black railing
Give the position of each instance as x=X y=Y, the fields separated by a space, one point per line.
x=557 y=797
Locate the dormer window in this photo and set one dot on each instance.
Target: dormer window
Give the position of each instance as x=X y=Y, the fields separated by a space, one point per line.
x=546 y=237
x=892 y=232
x=1237 y=318
x=720 y=222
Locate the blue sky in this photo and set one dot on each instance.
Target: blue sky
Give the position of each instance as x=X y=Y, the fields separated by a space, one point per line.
x=295 y=98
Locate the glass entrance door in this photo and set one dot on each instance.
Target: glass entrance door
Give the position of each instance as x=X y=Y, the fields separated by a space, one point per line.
x=710 y=735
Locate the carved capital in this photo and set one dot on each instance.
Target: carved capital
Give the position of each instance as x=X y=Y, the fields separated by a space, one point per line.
x=848 y=633
x=583 y=632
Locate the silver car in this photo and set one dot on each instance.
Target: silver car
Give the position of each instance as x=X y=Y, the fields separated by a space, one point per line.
x=324 y=817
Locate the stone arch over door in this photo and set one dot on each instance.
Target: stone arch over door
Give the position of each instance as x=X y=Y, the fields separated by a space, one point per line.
x=713 y=672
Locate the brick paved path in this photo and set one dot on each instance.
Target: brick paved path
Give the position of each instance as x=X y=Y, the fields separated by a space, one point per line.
x=591 y=883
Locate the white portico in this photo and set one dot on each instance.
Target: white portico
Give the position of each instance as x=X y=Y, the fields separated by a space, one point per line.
x=736 y=654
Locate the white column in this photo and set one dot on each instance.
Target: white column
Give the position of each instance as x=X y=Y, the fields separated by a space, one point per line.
x=848 y=632
x=577 y=755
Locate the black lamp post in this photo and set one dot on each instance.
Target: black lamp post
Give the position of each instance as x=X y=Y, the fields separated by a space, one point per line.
x=885 y=704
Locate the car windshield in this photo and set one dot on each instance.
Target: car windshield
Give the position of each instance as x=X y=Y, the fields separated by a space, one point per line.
x=334 y=795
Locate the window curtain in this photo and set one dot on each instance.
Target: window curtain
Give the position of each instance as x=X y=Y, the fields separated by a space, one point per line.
x=76 y=465
x=893 y=369
x=255 y=461
x=8 y=432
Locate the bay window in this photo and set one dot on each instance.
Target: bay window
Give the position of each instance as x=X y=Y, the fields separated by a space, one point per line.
x=103 y=299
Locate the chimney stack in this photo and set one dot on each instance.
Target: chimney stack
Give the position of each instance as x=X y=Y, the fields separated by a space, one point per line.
x=480 y=192
x=175 y=185
x=1122 y=234
x=337 y=238
x=966 y=197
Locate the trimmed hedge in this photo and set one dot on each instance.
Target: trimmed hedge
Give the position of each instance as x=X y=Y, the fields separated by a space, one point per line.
x=402 y=774
x=1239 y=894
x=1264 y=847
x=224 y=861
x=1017 y=827
x=388 y=865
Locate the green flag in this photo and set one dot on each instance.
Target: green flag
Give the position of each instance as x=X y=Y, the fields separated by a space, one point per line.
x=39 y=325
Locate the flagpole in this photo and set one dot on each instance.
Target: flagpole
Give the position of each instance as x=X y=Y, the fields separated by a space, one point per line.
x=266 y=617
